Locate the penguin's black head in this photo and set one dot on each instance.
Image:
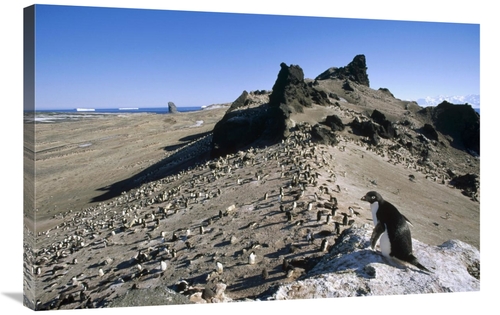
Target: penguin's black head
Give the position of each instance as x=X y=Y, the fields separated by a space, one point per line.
x=372 y=196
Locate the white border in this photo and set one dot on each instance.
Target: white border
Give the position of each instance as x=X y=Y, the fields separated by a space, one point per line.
x=482 y=12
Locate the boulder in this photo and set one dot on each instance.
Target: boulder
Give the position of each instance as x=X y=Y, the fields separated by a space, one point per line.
x=459 y=122
x=386 y=91
x=429 y=132
x=355 y=71
x=334 y=122
x=468 y=183
x=352 y=268
x=172 y=109
x=385 y=129
x=322 y=135
x=240 y=102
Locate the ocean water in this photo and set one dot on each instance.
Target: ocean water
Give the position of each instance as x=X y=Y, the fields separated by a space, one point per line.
x=58 y=115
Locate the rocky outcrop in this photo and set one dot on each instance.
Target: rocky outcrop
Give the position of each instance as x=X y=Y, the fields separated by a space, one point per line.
x=468 y=183
x=385 y=129
x=352 y=268
x=323 y=135
x=378 y=126
x=172 y=109
x=240 y=102
x=386 y=91
x=334 y=122
x=459 y=122
x=292 y=93
x=429 y=132
x=245 y=124
x=355 y=71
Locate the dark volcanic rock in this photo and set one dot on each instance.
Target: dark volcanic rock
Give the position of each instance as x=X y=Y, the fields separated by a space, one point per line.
x=385 y=130
x=172 y=108
x=347 y=86
x=429 y=132
x=322 y=135
x=367 y=129
x=378 y=127
x=291 y=92
x=460 y=122
x=266 y=124
x=468 y=183
x=238 y=129
x=355 y=71
x=334 y=122
x=240 y=102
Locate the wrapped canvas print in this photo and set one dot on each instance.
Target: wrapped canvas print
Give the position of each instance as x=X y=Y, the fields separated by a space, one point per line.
x=183 y=157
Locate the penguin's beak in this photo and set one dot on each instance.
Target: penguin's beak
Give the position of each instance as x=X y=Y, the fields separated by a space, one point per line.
x=363 y=198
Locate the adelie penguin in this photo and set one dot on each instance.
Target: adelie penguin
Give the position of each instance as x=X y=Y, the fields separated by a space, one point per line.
x=391 y=227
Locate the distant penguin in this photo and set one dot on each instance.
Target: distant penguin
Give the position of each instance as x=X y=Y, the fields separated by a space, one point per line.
x=328 y=218
x=391 y=227
x=251 y=258
x=219 y=267
x=163 y=265
x=318 y=216
x=337 y=227
x=285 y=265
x=265 y=274
x=309 y=237
x=345 y=219
x=324 y=245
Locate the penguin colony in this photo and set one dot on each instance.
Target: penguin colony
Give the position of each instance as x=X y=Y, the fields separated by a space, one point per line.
x=140 y=228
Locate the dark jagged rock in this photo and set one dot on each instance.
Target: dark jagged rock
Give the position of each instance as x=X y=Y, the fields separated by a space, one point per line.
x=243 y=125
x=292 y=93
x=355 y=71
x=468 y=183
x=385 y=130
x=334 y=122
x=378 y=127
x=240 y=102
x=460 y=122
x=367 y=129
x=172 y=108
x=322 y=135
x=347 y=86
x=236 y=130
x=429 y=132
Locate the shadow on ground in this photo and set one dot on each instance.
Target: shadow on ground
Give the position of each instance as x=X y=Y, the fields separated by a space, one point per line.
x=177 y=162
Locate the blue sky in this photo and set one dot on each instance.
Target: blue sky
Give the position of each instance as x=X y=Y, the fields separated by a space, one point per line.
x=113 y=57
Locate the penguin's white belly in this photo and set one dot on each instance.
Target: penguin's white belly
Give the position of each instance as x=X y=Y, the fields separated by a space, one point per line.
x=385 y=244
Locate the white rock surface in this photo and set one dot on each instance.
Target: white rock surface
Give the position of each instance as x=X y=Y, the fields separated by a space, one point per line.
x=352 y=268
